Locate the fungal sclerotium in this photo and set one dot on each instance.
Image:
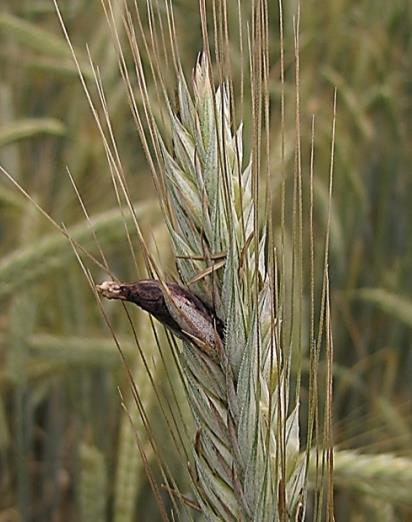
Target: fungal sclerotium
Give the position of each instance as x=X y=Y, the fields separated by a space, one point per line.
x=175 y=307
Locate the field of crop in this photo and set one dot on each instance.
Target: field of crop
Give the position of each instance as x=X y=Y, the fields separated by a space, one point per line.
x=95 y=424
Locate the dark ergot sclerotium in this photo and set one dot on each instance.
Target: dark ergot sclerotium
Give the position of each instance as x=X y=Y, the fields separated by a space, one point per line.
x=175 y=307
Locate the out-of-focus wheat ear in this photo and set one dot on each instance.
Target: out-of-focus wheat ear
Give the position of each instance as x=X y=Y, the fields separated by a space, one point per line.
x=28 y=264
x=129 y=472
x=384 y=476
x=92 y=484
x=22 y=321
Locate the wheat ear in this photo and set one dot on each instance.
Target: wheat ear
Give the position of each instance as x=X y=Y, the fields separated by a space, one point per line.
x=247 y=464
x=385 y=476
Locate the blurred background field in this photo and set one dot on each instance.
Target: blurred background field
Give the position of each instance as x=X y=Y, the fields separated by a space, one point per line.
x=67 y=450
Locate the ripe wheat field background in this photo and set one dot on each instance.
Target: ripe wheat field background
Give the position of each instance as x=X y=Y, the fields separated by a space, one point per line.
x=92 y=405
